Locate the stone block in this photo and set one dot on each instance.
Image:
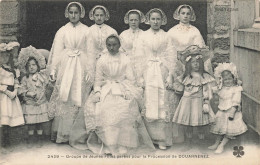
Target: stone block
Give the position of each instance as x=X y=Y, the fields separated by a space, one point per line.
x=222 y=43
x=9 y=12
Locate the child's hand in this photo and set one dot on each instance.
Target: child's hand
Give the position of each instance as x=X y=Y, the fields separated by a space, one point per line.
x=3 y=88
x=205 y=108
x=31 y=94
x=10 y=94
x=96 y=97
x=128 y=95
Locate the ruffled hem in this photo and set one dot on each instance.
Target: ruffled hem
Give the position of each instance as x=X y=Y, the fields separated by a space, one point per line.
x=35 y=110
x=199 y=80
x=38 y=118
x=12 y=121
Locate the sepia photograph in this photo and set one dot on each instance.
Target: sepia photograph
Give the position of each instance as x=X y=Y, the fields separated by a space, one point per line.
x=129 y=82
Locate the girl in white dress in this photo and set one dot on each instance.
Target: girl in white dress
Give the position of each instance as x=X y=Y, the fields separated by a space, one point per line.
x=130 y=38
x=158 y=67
x=194 y=110
x=229 y=122
x=73 y=70
x=99 y=31
x=33 y=90
x=111 y=111
x=10 y=107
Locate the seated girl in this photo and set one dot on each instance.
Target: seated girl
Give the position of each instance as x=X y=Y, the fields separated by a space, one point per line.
x=111 y=112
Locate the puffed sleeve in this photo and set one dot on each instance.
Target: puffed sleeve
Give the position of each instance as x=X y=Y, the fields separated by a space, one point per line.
x=198 y=39
x=236 y=97
x=171 y=56
x=57 y=47
x=129 y=72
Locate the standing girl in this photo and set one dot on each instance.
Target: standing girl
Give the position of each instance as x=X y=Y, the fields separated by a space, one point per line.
x=130 y=38
x=10 y=107
x=229 y=122
x=73 y=70
x=157 y=69
x=194 y=109
x=33 y=88
x=184 y=34
x=99 y=31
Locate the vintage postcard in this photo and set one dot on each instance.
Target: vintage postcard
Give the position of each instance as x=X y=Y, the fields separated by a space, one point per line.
x=130 y=82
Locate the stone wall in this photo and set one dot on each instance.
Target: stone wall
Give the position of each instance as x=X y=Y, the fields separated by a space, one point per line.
x=9 y=24
x=219 y=30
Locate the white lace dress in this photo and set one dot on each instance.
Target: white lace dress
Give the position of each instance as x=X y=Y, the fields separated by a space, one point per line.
x=72 y=62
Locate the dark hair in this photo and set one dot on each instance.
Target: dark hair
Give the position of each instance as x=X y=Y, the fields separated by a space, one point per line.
x=27 y=65
x=113 y=36
x=183 y=7
x=75 y=5
x=188 y=68
x=155 y=11
x=99 y=8
x=11 y=63
x=134 y=12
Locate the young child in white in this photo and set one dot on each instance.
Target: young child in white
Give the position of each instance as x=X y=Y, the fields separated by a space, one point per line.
x=33 y=87
x=10 y=107
x=229 y=122
x=194 y=109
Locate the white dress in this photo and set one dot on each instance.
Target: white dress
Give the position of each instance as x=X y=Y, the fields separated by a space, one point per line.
x=10 y=109
x=229 y=97
x=183 y=36
x=116 y=120
x=160 y=60
x=130 y=39
x=72 y=63
x=97 y=38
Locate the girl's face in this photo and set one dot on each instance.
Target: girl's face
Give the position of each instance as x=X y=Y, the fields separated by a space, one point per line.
x=134 y=21
x=74 y=14
x=113 y=45
x=4 y=58
x=185 y=15
x=32 y=67
x=195 y=66
x=228 y=79
x=155 y=20
x=99 y=16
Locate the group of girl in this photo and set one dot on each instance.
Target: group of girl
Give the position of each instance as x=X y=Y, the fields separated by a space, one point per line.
x=114 y=94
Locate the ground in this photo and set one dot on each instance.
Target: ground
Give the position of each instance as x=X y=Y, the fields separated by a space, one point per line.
x=52 y=153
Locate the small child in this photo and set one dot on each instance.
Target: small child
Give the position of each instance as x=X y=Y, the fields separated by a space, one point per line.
x=194 y=109
x=33 y=88
x=229 y=122
x=10 y=107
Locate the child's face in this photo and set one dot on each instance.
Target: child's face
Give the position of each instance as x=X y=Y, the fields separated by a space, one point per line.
x=74 y=14
x=134 y=21
x=113 y=45
x=4 y=58
x=228 y=79
x=32 y=67
x=155 y=20
x=195 y=65
x=185 y=15
x=99 y=16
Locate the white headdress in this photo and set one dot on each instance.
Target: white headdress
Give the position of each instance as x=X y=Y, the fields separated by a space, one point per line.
x=28 y=52
x=147 y=16
x=176 y=14
x=223 y=67
x=82 y=10
x=91 y=13
x=142 y=17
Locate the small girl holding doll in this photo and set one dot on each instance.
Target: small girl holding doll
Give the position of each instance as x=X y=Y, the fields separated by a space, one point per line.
x=194 y=109
x=33 y=87
x=229 y=122
x=10 y=107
